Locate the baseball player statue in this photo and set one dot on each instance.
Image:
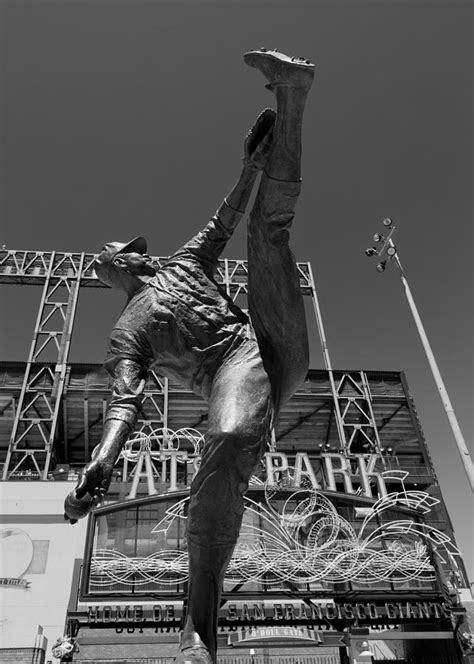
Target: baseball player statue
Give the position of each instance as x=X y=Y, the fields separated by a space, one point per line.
x=179 y=321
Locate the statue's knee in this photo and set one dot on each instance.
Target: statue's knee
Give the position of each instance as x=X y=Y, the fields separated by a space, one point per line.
x=238 y=443
x=239 y=437
x=278 y=236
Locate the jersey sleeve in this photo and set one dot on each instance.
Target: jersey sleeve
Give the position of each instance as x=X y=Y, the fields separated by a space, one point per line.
x=127 y=392
x=127 y=344
x=208 y=244
x=127 y=361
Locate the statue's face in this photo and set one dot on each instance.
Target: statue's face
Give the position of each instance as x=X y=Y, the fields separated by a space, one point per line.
x=115 y=267
x=135 y=263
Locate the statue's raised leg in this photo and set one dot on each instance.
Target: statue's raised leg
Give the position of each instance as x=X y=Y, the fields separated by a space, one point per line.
x=275 y=301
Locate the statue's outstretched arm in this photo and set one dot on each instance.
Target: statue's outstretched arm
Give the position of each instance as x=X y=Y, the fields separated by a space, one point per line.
x=209 y=243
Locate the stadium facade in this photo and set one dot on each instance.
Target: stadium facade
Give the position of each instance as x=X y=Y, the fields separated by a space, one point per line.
x=346 y=553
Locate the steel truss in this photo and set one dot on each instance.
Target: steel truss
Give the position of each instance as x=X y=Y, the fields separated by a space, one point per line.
x=357 y=416
x=62 y=274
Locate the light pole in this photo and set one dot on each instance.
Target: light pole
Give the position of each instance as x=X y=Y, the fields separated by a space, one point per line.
x=388 y=253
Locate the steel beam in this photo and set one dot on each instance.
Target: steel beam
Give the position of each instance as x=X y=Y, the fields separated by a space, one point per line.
x=36 y=417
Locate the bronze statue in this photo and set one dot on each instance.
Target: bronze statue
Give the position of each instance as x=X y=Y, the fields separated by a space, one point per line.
x=179 y=321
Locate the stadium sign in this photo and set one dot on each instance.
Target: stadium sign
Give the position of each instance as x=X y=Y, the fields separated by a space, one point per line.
x=282 y=634
x=357 y=473
x=14 y=583
x=16 y=554
x=268 y=615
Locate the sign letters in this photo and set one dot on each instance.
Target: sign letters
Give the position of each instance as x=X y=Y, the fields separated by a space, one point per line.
x=355 y=473
x=288 y=615
x=335 y=468
x=17 y=583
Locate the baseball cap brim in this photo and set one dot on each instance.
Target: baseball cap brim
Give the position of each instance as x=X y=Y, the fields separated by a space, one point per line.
x=138 y=244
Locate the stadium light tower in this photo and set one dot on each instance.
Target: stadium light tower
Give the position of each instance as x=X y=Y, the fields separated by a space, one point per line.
x=388 y=253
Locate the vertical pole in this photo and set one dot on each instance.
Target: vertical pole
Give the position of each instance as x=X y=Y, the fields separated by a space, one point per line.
x=327 y=360
x=368 y=399
x=165 y=401
x=226 y=276
x=65 y=431
x=457 y=433
x=86 y=429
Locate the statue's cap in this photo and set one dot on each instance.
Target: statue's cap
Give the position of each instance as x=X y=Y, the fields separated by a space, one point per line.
x=103 y=264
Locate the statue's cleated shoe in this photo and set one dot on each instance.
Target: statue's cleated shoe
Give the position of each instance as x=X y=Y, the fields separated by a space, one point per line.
x=280 y=69
x=194 y=655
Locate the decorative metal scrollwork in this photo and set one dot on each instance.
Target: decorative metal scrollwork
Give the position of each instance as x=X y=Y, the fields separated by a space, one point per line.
x=304 y=540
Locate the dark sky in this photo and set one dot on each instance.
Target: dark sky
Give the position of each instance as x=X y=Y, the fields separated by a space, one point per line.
x=123 y=117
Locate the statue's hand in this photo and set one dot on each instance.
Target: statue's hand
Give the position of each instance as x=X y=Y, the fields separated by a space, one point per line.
x=90 y=490
x=258 y=140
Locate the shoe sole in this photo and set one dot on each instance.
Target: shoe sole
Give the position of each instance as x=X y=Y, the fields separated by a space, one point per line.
x=280 y=69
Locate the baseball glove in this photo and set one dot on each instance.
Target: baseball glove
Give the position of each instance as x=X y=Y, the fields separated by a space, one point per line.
x=258 y=140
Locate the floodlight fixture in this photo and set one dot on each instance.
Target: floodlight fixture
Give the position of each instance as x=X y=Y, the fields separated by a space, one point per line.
x=392 y=250
x=371 y=251
x=381 y=266
x=387 y=221
x=377 y=237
